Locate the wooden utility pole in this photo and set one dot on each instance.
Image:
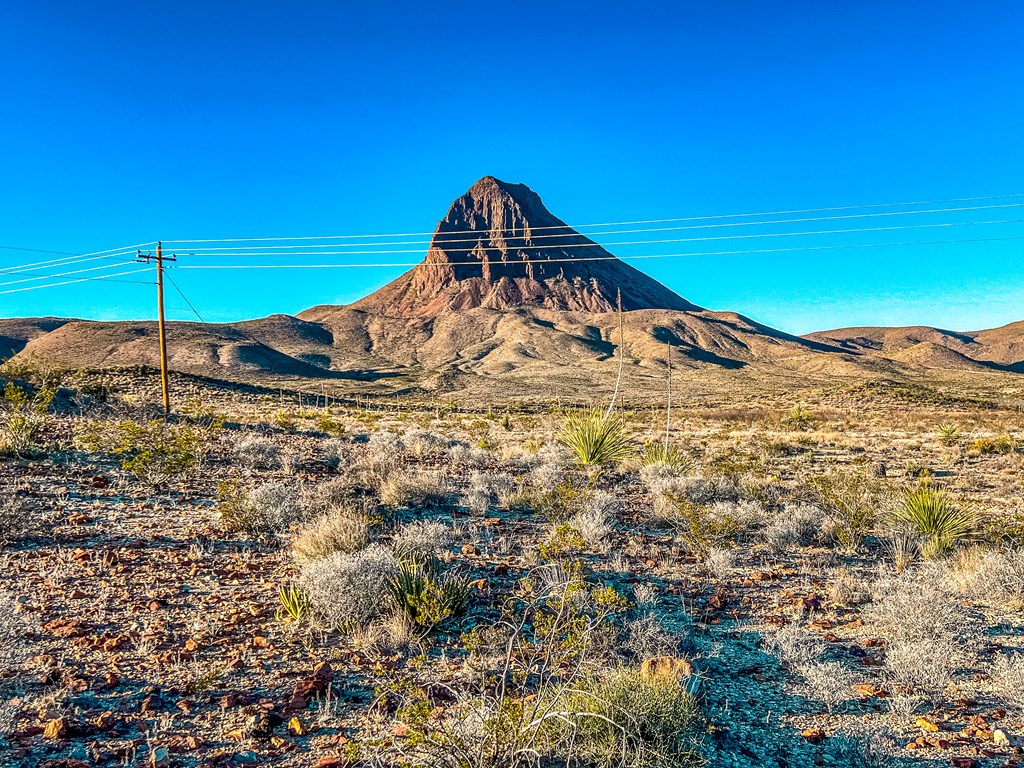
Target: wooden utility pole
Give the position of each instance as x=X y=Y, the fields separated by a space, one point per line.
x=159 y=259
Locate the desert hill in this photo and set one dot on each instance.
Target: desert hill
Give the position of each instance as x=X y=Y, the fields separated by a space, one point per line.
x=999 y=348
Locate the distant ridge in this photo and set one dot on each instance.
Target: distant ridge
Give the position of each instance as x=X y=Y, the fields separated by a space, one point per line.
x=499 y=247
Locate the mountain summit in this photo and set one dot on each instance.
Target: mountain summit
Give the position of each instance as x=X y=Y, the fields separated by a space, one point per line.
x=498 y=247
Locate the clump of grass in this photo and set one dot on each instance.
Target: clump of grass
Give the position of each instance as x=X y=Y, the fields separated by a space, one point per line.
x=411 y=487
x=933 y=515
x=596 y=438
x=293 y=602
x=346 y=529
x=669 y=455
x=421 y=540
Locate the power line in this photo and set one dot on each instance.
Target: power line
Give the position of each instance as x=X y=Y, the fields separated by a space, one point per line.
x=110 y=253
x=35 y=250
x=79 y=280
x=134 y=282
x=621 y=223
x=58 y=274
x=446 y=241
x=385 y=265
x=571 y=246
x=182 y=294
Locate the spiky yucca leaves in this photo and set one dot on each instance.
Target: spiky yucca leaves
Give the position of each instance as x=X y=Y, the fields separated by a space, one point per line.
x=799 y=419
x=293 y=602
x=949 y=434
x=596 y=439
x=428 y=599
x=936 y=517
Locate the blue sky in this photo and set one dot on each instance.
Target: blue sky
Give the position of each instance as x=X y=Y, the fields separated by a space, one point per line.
x=130 y=122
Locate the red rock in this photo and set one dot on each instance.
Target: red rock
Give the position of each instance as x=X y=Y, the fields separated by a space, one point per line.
x=56 y=728
x=813 y=735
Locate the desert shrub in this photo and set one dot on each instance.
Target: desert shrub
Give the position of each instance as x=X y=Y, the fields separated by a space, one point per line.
x=423 y=444
x=477 y=498
x=422 y=540
x=348 y=590
x=625 y=718
x=797 y=524
x=596 y=439
x=798 y=419
x=335 y=453
x=326 y=423
x=719 y=562
x=469 y=456
x=656 y=474
x=913 y=605
x=532 y=687
x=669 y=455
x=345 y=529
x=594 y=520
x=268 y=508
x=156 y=451
x=988 y=574
x=851 y=501
x=1000 y=445
x=426 y=597
x=22 y=417
x=383 y=454
x=412 y=487
x=802 y=652
x=327 y=496
x=258 y=453
x=719 y=524
x=1008 y=679
x=647 y=637
x=934 y=516
x=561 y=540
x=920 y=623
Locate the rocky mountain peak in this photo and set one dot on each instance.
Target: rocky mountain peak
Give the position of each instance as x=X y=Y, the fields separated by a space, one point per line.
x=499 y=247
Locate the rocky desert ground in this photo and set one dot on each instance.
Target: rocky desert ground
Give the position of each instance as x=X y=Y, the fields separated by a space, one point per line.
x=828 y=576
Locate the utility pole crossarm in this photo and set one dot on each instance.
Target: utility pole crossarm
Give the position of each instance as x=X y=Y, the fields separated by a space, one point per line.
x=159 y=258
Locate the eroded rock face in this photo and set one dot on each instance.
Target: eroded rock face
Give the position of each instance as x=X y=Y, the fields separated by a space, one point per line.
x=500 y=248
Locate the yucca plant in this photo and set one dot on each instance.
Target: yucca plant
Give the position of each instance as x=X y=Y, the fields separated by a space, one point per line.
x=596 y=438
x=799 y=419
x=949 y=434
x=293 y=602
x=660 y=453
x=428 y=599
x=936 y=517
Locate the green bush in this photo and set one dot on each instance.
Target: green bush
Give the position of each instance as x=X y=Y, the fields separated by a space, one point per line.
x=1001 y=445
x=949 y=434
x=156 y=451
x=851 y=501
x=934 y=516
x=596 y=439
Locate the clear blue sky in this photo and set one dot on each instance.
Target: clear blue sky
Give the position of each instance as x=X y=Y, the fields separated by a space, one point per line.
x=127 y=122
